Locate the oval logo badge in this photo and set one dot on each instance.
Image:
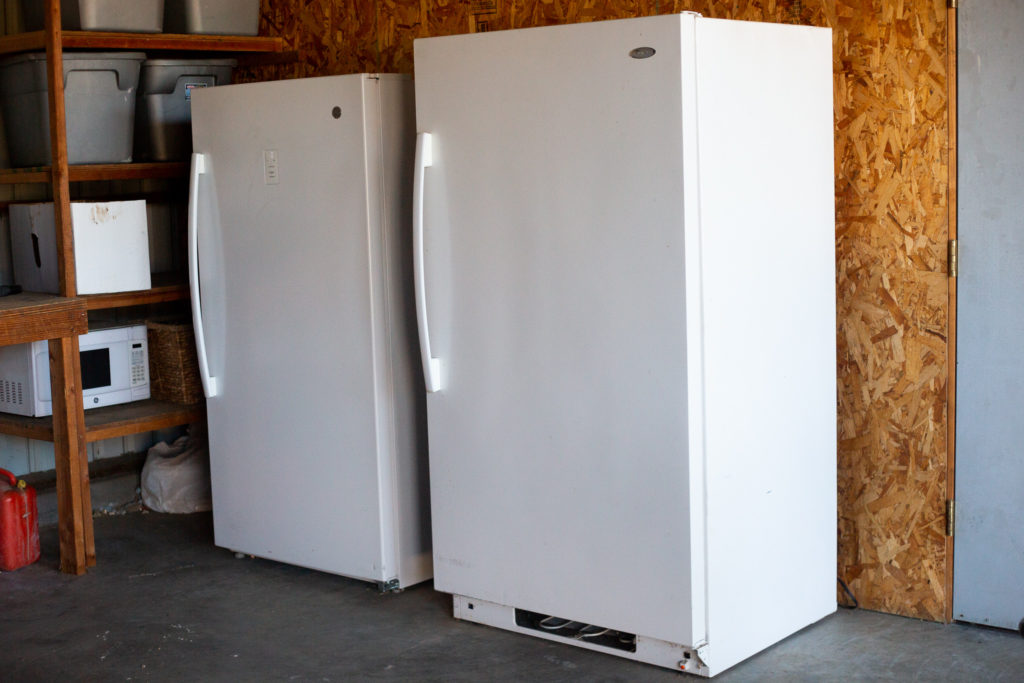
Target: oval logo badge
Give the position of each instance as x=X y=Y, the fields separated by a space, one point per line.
x=641 y=52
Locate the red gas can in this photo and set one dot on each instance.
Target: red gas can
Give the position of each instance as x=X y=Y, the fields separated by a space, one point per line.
x=19 y=523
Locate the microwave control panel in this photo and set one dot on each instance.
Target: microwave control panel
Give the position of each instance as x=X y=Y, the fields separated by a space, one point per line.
x=139 y=364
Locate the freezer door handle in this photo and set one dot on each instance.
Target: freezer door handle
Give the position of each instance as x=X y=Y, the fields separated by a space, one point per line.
x=198 y=169
x=431 y=365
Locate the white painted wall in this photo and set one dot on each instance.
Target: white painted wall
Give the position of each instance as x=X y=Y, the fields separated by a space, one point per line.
x=24 y=456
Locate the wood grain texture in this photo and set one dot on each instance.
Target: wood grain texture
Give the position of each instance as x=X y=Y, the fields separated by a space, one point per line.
x=74 y=517
x=892 y=195
x=59 y=149
x=98 y=172
x=166 y=287
x=98 y=40
x=892 y=182
x=109 y=421
x=29 y=317
x=38 y=428
x=74 y=502
x=139 y=416
x=22 y=42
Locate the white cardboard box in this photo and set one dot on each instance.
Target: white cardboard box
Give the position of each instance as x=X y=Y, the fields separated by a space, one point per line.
x=111 y=246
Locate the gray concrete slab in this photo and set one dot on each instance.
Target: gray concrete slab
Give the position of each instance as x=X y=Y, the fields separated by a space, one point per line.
x=164 y=604
x=108 y=495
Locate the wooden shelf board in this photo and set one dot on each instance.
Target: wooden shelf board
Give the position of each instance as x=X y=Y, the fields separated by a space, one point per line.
x=138 y=416
x=171 y=41
x=14 y=176
x=110 y=421
x=40 y=428
x=165 y=288
x=88 y=172
x=22 y=42
x=31 y=316
x=36 y=40
x=137 y=171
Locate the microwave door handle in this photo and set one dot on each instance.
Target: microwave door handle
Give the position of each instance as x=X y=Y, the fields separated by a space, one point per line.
x=431 y=365
x=198 y=169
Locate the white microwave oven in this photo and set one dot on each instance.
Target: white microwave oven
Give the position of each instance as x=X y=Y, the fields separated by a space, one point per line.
x=115 y=369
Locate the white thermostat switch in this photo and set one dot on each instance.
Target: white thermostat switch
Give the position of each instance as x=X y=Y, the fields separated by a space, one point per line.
x=270 y=176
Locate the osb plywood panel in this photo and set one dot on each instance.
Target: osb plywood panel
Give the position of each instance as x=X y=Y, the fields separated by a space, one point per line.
x=891 y=187
x=891 y=148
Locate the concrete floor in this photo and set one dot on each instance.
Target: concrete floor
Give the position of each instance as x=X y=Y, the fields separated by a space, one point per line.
x=164 y=604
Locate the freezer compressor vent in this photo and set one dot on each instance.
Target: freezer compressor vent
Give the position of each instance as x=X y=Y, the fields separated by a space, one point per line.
x=576 y=630
x=10 y=393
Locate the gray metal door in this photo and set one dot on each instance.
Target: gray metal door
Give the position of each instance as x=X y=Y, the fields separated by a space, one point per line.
x=989 y=550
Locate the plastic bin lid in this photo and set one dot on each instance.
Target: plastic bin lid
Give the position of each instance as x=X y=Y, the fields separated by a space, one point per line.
x=75 y=56
x=189 y=62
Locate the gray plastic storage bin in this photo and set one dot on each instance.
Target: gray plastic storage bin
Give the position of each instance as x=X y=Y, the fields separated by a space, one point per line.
x=163 y=126
x=138 y=16
x=227 y=17
x=99 y=98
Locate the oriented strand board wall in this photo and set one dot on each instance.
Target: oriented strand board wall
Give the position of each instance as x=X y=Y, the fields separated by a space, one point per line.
x=891 y=187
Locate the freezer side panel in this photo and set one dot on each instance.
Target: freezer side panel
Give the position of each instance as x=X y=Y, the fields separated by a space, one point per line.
x=410 y=496
x=285 y=281
x=768 y=270
x=555 y=295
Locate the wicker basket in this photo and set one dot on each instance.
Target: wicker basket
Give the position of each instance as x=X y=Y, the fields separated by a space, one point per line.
x=173 y=364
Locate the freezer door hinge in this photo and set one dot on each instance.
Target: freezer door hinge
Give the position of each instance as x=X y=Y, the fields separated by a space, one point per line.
x=953 y=257
x=950 y=517
x=695 y=660
x=702 y=653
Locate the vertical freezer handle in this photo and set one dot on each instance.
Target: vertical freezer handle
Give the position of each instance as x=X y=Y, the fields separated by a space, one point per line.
x=198 y=169
x=431 y=365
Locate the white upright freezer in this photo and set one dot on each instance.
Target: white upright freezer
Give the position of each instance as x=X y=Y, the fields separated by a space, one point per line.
x=625 y=269
x=300 y=261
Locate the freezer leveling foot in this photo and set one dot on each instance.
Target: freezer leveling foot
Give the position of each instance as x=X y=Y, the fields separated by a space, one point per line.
x=390 y=586
x=581 y=634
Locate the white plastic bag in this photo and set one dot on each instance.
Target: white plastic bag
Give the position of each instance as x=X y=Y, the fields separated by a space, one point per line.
x=176 y=477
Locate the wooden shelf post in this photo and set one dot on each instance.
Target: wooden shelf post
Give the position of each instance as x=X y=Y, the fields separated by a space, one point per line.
x=74 y=502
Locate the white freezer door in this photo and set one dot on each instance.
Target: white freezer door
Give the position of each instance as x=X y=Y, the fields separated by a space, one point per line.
x=286 y=293
x=554 y=273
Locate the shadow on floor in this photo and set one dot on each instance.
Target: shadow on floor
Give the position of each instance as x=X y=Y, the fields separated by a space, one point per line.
x=165 y=604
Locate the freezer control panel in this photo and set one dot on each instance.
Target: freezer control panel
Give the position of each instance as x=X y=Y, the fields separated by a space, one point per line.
x=270 y=176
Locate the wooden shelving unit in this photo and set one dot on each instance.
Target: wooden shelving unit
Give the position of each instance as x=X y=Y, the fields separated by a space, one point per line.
x=60 y=319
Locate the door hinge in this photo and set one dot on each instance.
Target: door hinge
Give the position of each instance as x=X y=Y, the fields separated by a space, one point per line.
x=953 y=257
x=950 y=517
